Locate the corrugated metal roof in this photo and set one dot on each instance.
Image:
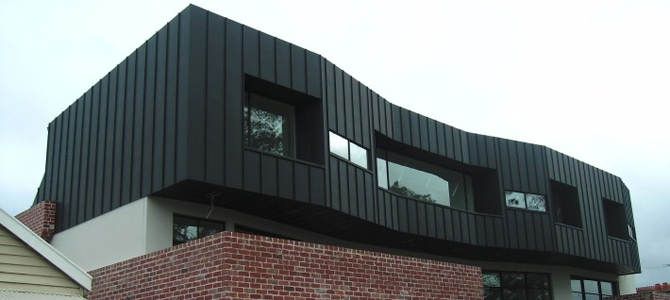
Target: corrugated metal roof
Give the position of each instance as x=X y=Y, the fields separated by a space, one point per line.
x=19 y=295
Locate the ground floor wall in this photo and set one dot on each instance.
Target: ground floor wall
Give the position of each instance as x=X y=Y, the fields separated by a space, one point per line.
x=233 y=265
x=145 y=226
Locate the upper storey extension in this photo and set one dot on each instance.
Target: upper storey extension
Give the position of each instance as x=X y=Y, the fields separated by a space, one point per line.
x=209 y=110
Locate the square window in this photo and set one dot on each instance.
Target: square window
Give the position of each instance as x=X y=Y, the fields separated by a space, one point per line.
x=358 y=155
x=565 y=200
x=269 y=125
x=615 y=219
x=491 y=279
x=515 y=199
x=535 y=202
x=338 y=145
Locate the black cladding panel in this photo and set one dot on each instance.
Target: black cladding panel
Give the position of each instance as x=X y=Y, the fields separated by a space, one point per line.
x=172 y=112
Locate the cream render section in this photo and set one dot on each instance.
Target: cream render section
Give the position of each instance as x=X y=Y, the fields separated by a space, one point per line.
x=29 y=264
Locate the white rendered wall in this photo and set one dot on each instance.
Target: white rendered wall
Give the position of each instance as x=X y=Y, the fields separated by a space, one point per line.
x=627 y=284
x=112 y=237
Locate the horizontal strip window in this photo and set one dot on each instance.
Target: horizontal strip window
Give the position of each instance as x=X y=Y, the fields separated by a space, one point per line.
x=186 y=229
x=587 y=289
x=348 y=150
x=527 y=201
x=422 y=181
x=516 y=285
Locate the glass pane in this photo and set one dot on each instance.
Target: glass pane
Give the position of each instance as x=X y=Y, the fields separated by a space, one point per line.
x=515 y=199
x=417 y=184
x=592 y=297
x=382 y=175
x=338 y=145
x=492 y=294
x=270 y=126
x=184 y=230
x=539 y=295
x=491 y=279
x=577 y=296
x=591 y=286
x=535 y=202
x=576 y=285
x=514 y=294
x=209 y=228
x=358 y=155
x=513 y=280
x=606 y=288
x=538 y=281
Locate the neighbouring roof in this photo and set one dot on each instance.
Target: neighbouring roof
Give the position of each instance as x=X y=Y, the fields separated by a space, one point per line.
x=45 y=250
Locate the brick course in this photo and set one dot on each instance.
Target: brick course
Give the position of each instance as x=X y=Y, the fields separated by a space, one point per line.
x=643 y=295
x=41 y=219
x=232 y=265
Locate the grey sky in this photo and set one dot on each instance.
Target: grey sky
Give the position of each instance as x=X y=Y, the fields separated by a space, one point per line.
x=587 y=79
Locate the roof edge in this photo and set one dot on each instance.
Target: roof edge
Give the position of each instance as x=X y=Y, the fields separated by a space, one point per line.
x=45 y=249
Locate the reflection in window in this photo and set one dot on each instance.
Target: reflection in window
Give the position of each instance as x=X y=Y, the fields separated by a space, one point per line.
x=269 y=125
x=566 y=204
x=516 y=285
x=527 y=201
x=186 y=229
x=586 y=289
x=615 y=219
x=631 y=232
x=515 y=199
x=422 y=181
x=348 y=150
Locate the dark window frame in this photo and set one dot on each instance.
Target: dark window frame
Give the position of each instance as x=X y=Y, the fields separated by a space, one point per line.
x=566 y=204
x=467 y=180
x=526 y=287
x=349 y=144
x=282 y=109
x=615 y=219
x=525 y=196
x=615 y=288
x=197 y=221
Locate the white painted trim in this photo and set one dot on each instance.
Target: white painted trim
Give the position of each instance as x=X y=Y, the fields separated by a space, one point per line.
x=45 y=250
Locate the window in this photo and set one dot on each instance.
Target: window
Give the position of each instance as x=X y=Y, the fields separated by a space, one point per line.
x=526 y=201
x=422 y=181
x=269 y=125
x=631 y=232
x=348 y=150
x=516 y=285
x=586 y=289
x=187 y=229
x=615 y=219
x=566 y=204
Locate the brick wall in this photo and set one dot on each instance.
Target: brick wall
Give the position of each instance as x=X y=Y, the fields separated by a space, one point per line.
x=643 y=295
x=239 y=266
x=41 y=219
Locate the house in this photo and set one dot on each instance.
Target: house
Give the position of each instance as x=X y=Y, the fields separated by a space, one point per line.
x=213 y=132
x=30 y=268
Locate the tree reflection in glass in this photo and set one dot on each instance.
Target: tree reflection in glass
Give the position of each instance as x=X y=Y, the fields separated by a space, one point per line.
x=268 y=125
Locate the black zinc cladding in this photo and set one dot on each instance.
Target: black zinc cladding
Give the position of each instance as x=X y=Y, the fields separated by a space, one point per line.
x=170 y=121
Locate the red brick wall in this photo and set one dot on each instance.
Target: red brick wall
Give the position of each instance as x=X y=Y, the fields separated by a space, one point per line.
x=41 y=219
x=643 y=295
x=239 y=266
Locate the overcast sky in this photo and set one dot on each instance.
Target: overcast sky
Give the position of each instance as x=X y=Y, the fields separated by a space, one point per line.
x=588 y=78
